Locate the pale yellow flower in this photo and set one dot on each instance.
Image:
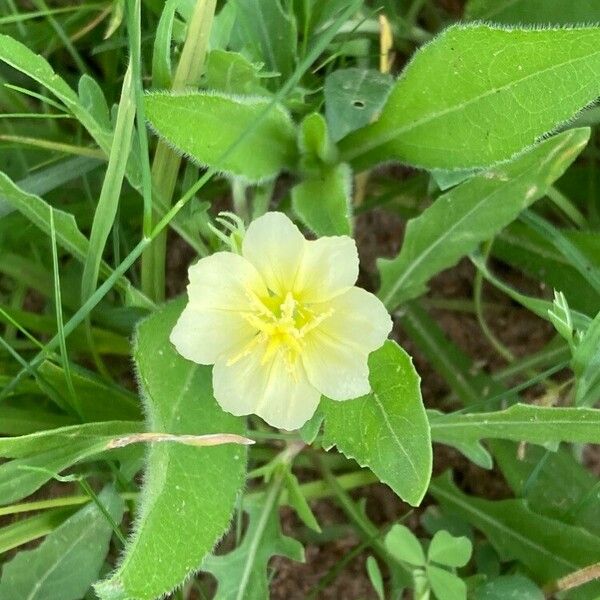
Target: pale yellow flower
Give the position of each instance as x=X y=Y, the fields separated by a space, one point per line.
x=282 y=323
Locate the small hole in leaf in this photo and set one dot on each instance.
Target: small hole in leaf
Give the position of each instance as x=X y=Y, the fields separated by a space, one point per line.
x=358 y=104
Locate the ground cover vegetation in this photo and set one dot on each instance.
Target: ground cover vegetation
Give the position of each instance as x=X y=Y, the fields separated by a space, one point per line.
x=379 y=377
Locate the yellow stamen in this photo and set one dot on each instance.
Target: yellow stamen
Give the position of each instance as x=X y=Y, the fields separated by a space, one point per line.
x=281 y=325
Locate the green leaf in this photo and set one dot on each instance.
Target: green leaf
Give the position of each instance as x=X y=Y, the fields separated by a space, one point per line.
x=446 y=585
x=298 y=502
x=33 y=528
x=35 y=66
x=106 y=342
x=186 y=489
x=323 y=201
x=586 y=366
x=403 y=545
x=526 y=249
x=242 y=573
x=353 y=97
x=232 y=73
x=68 y=561
x=588 y=269
x=534 y=12
x=554 y=482
x=161 y=52
x=52 y=177
x=205 y=126
x=547 y=547
x=92 y=99
x=386 y=430
x=315 y=144
x=38 y=455
x=560 y=316
x=19 y=418
x=521 y=422
x=68 y=235
x=108 y=202
x=449 y=550
x=375 y=577
x=267 y=31
x=117 y=403
x=477 y=95
x=473 y=212
x=509 y=586
x=472 y=449
x=539 y=307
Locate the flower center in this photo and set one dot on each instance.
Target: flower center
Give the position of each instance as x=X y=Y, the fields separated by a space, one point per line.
x=281 y=323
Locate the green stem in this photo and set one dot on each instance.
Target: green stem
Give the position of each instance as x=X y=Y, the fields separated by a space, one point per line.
x=165 y=167
x=500 y=348
x=270 y=504
x=135 y=41
x=314 y=490
x=567 y=207
x=367 y=531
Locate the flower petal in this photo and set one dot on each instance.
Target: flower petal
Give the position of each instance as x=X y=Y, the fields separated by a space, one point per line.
x=269 y=390
x=274 y=245
x=338 y=371
x=202 y=335
x=328 y=268
x=336 y=352
x=358 y=318
x=220 y=289
x=224 y=281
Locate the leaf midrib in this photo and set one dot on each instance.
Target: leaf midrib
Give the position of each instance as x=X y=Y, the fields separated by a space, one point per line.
x=390 y=134
x=502 y=527
x=483 y=201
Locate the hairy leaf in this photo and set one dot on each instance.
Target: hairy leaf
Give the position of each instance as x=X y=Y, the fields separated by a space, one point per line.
x=323 y=201
x=189 y=493
x=353 y=97
x=521 y=422
x=477 y=95
x=386 y=430
x=212 y=129
x=534 y=12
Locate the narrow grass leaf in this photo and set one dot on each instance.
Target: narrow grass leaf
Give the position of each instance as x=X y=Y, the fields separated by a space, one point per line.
x=35 y=66
x=68 y=235
x=38 y=455
x=32 y=528
x=108 y=202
